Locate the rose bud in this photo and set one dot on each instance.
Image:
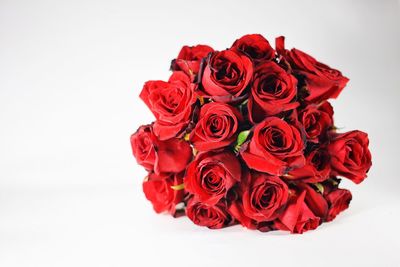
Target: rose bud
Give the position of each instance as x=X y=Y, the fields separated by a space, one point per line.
x=317 y=120
x=171 y=103
x=226 y=76
x=159 y=190
x=189 y=59
x=171 y=155
x=211 y=174
x=322 y=81
x=255 y=46
x=217 y=126
x=211 y=216
x=275 y=148
x=297 y=218
x=350 y=156
x=338 y=200
x=317 y=167
x=262 y=198
x=315 y=200
x=273 y=91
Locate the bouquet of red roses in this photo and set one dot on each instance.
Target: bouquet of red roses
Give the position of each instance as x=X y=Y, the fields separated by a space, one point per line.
x=246 y=135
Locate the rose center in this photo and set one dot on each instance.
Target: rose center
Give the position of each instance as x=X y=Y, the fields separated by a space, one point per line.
x=273 y=139
x=226 y=72
x=170 y=102
x=263 y=197
x=212 y=179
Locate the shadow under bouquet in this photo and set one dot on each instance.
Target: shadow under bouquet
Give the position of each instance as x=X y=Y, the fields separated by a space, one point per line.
x=246 y=136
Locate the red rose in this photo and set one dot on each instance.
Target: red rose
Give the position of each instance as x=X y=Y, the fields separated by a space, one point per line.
x=142 y=142
x=211 y=216
x=317 y=120
x=272 y=92
x=317 y=167
x=158 y=190
x=254 y=46
x=217 y=126
x=262 y=198
x=211 y=175
x=297 y=218
x=314 y=199
x=226 y=76
x=171 y=103
x=171 y=155
x=189 y=59
x=338 y=200
x=350 y=156
x=322 y=81
x=275 y=148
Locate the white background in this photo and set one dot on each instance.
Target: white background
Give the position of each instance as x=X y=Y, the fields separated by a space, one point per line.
x=70 y=75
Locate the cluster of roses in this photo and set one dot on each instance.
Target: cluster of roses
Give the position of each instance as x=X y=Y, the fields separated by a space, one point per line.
x=246 y=135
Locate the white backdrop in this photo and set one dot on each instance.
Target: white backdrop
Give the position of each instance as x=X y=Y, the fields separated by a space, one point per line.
x=70 y=75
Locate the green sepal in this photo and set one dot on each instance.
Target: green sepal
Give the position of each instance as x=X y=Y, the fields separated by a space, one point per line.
x=178 y=187
x=242 y=137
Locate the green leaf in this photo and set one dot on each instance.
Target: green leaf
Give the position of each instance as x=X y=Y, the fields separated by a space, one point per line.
x=319 y=187
x=241 y=139
x=178 y=187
